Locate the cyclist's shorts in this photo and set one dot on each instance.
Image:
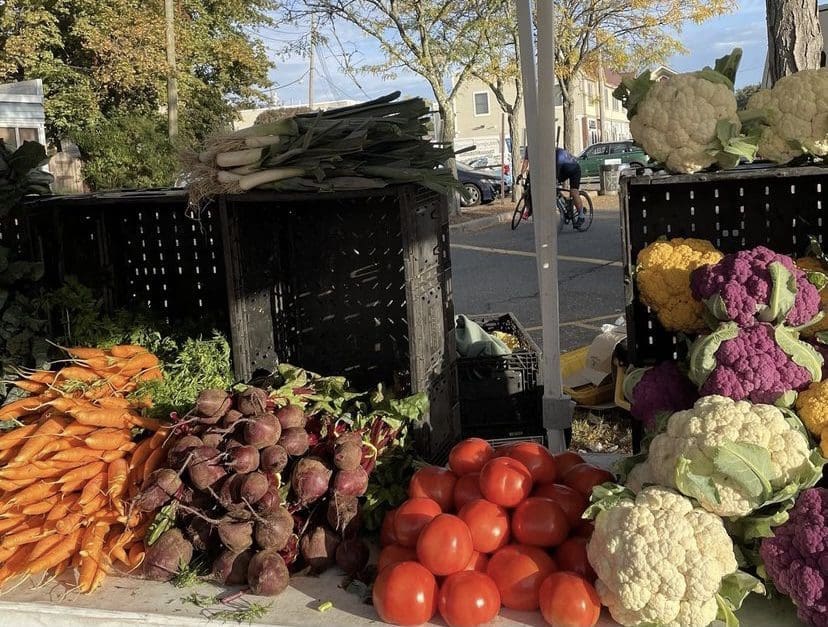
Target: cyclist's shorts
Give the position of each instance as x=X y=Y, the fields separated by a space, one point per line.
x=570 y=172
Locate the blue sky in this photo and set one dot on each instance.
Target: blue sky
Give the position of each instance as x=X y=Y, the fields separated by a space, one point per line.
x=745 y=28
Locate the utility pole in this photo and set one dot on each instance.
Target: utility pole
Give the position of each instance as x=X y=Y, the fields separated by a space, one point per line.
x=312 y=60
x=601 y=89
x=172 y=81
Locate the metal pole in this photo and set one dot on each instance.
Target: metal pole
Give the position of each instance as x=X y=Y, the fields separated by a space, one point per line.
x=557 y=408
x=502 y=155
x=172 y=81
x=601 y=105
x=312 y=60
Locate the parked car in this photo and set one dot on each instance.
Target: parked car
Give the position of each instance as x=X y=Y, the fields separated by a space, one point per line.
x=593 y=157
x=492 y=166
x=480 y=186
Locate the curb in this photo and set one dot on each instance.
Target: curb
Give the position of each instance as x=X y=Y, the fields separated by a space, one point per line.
x=478 y=224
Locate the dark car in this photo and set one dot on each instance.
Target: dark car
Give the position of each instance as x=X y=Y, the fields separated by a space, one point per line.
x=480 y=186
x=627 y=152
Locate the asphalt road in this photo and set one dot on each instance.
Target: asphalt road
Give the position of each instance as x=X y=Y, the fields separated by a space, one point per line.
x=494 y=271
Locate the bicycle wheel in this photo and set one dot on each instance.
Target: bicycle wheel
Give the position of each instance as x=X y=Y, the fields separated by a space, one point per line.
x=562 y=212
x=517 y=216
x=584 y=226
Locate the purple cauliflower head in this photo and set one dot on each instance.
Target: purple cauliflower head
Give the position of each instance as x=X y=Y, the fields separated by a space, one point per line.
x=662 y=388
x=740 y=288
x=796 y=556
x=761 y=363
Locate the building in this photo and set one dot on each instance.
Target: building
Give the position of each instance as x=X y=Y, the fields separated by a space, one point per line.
x=22 y=117
x=479 y=117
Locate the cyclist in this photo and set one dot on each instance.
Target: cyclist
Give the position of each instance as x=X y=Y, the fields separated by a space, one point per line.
x=568 y=169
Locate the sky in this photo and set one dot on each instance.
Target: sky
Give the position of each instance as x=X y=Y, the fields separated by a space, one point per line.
x=744 y=28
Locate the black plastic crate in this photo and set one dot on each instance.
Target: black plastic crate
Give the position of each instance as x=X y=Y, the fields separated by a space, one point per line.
x=356 y=283
x=777 y=207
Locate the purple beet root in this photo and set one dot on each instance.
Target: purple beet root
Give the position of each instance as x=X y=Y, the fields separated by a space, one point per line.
x=231 y=417
x=165 y=558
x=230 y=569
x=236 y=535
x=254 y=487
x=182 y=448
x=295 y=441
x=343 y=515
x=267 y=574
x=252 y=401
x=318 y=547
x=351 y=482
x=291 y=416
x=310 y=479
x=352 y=556
x=243 y=458
x=205 y=468
x=273 y=458
x=348 y=453
x=262 y=431
x=274 y=530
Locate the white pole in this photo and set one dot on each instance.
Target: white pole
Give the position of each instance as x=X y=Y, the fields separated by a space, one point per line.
x=540 y=122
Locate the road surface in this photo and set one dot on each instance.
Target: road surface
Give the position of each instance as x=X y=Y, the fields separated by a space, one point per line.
x=494 y=271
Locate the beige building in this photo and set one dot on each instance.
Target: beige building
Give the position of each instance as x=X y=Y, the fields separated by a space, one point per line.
x=479 y=117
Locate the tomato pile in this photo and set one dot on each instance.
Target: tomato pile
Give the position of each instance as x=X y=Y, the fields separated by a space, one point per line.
x=497 y=528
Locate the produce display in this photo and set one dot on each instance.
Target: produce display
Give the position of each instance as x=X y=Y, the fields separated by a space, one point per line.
x=691 y=121
x=365 y=146
x=497 y=527
x=74 y=454
x=262 y=482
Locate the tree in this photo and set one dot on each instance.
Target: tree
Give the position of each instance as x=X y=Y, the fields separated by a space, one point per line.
x=435 y=39
x=794 y=38
x=498 y=66
x=99 y=58
x=628 y=34
x=743 y=95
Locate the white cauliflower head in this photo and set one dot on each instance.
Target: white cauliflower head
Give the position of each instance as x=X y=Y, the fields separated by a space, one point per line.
x=796 y=116
x=676 y=121
x=659 y=560
x=693 y=442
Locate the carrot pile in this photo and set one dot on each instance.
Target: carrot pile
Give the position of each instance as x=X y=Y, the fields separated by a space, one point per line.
x=68 y=472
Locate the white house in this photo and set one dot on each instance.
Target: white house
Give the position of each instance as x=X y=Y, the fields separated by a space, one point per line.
x=22 y=117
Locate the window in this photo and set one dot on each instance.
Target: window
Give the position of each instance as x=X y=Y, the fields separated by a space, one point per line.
x=616 y=104
x=14 y=137
x=481 y=103
x=589 y=90
x=27 y=134
x=8 y=136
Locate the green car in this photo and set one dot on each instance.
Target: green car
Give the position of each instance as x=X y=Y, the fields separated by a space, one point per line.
x=594 y=156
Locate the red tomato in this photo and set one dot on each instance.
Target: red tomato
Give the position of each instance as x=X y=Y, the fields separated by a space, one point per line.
x=503 y=450
x=519 y=571
x=411 y=517
x=466 y=490
x=445 y=545
x=539 y=522
x=470 y=456
x=566 y=460
x=394 y=554
x=537 y=459
x=505 y=481
x=406 y=594
x=387 y=535
x=468 y=599
x=585 y=529
x=572 y=503
x=434 y=482
x=567 y=600
x=479 y=562
x=488 y=523
x=572 y=556
x=584 y=477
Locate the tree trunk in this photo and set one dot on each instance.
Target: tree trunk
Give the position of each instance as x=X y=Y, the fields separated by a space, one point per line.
x=448 y=124
x=794 y=38
x=568 y=121
x=514 y=134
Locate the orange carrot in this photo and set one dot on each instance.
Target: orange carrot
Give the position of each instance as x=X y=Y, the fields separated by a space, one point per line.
x=62 y=507
x=139 y=458
x=76 y=429
x=84 y=352
x=111 y=456
x=136 y=554
x=95 y=506
x=44 y=507
x=55 y=446
x=91 y=547
x=58 y=570
x=43 y=545
x=92 y=489
x=47 y=377
x=38 y=469
x=72 y=486
x=104 y=567
x=8 y=454
x=151 y=374
x=153 y=462
x=31 y=494
x=22 y=407
x=79 y=453
x=7 y=485
x=116 y=475
x=139 y=363
x=100 y=417
x=10 y=523
x=32 y=387
x=26 y=536
x=64 y=403
x=125 y=351
x=70 y=523
x=84 y=472
x=159 y=437
x=45 y=433
x=12 y=438
x=106 y=439
x=16 y=564
x=59 y=553
x=113 y=402
x=78 y=373
x=145 y=423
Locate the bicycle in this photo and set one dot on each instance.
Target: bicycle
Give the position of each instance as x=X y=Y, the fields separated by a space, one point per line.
x=566 y=208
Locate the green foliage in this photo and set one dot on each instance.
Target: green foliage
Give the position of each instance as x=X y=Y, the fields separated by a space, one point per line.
x=744 y=94
x=20 y=176
x=98 y=57
x=127 y=151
